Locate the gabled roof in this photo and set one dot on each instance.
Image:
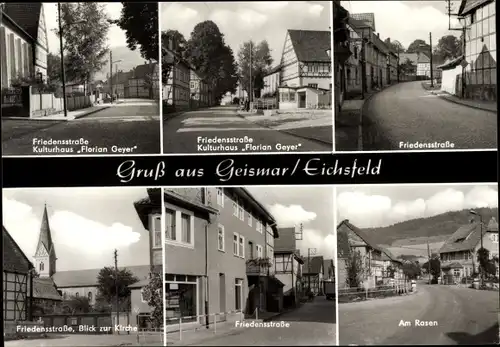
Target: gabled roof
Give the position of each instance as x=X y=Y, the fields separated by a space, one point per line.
x=273 y=70
x=26 y=15
x=141 y=71
x=311 y=45
x=150 y=203
x=45 y=288
x=286 y=241
x=467 y=237
x=80 y=278
x=379 y=44
x=454 y=265
x=316 y=265
x=14 y=259
x=451 y=63
x=367 y=18
x=467 y=6
x=327 y=263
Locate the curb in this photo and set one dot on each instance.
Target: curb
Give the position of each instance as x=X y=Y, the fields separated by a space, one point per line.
x=172 y=115
x=466 y=105
x=361 y=117
x=323 y=142
x=91 y=112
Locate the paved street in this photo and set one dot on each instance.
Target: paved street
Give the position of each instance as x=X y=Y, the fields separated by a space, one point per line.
x=464 y=316
x=406 y=112
x=312 y=324
x=185 y=134
x=132 y=127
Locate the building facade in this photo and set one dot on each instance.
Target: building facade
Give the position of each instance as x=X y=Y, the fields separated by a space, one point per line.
x=480 y=49
x=216 y=260
x=271 y=82
x=176 y=93
x=459 y=253
x=23 y=37
x=199 y=90
x=306 y=70
x=313 y=272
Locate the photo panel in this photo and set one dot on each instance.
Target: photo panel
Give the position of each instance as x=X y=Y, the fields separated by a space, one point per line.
x=246 y=77
x=82 y=267
x=404 y=81
x=80 y=78
x=418 y=264
x=250 y=266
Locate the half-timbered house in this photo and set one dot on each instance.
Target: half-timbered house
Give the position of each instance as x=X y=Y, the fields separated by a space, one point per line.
x=199 y=90
x=176 y=89
x=17 y=281
x=306 y=70
x=288 y=265
x=313 y=274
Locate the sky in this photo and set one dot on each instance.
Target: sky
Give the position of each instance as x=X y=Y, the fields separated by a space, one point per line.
x=242 y=21
x=86 y=224
x=406 y=21
x=311 y=206
x=379 y=206
x=116 y=37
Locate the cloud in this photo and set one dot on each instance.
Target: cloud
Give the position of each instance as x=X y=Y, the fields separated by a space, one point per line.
x=247 y=19
x=404 y=22
x=365 y=210
x=85 y=238
x=291 y=215
x=314 y=239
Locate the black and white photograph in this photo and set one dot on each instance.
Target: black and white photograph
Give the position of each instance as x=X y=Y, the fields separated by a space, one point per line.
x=80 y=78
x=82 y=267
x=418 y=264
x=246 y=77
x=250 y=266
x=415 y=75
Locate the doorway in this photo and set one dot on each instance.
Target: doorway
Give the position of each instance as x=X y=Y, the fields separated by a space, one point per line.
x=222 y=296
x=302 y=99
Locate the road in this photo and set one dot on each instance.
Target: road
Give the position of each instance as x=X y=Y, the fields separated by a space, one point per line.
x=464 y=316
x=185 y=133
x=87 y=340
x=406 y=112
x=132 y=127
x=312 y=324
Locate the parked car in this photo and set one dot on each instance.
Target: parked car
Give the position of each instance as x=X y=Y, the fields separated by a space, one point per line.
x=329 y=290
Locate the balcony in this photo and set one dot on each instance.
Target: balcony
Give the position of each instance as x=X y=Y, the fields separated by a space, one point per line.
x=258 y=266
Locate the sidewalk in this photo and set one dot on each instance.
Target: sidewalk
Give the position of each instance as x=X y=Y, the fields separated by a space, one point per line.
x=72 y=115
x=489 y=106
x=313 y=125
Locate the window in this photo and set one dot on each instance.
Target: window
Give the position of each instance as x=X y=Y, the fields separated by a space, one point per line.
x=181 y=300
x=235 y=209
x=238 y=284
x=89 y=296
x=42 y=266
x=220 y=197
x=292 y=95
x=249 y=219
x=169 y=226
x=144 y=296
x=77 y=295
x=259 y=251
x=241 y=212
x=156 y=231
x=185 y=228
x=313 y=85
x=241 y=247
x=258 y=224
x=494 y=238
x=220 y=238
x=192 y=85
x=235 y=244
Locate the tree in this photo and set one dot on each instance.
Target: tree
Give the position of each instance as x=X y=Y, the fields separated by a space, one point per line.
x=435 y=265
x=354 y=269
x=448 y=47
x=139 y=20
x=411 y=270
x=254 y=58
x=407 y=67
x=391 y=271
x=212 y=58
x=107 y=286
x=487 y=265
x=77 y=304
x=85 y=27
x=178 y=48
x=396 y=46
x=153 y=291
x=53 y=69
x=418 y=46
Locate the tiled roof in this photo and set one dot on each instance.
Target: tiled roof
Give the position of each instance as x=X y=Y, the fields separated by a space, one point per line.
x=357 y=24
x=412 y=57
x=316 y=264
x=146 y=205
x=452 y=63
x=492 y=225
x=468 y=5
x=455 y=265
x=465 y=238
x=367 y=18
x=65 y=279
x=380 y=44
x=143 y=70
x=286 y=241
x=45 y=288
x=26 y=15
x=311 y=45
x=14 y=259
x=273 y=70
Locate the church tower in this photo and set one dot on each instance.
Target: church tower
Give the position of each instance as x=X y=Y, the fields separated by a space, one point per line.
x=45 y=256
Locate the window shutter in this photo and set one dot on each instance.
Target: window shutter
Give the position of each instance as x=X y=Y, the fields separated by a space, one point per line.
x=178 y=225
x=191 y=228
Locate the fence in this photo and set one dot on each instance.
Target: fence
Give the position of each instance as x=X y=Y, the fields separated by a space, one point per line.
x=151 y=337
x=361 y=294
x=265 y=104
x=209 y=320
x=45 y=104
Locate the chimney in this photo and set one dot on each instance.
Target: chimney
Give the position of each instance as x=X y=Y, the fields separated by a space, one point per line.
x=378 y=35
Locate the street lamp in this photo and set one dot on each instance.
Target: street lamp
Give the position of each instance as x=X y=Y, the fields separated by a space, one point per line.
x=111 y=62
x=473 y=212
x=61 y=47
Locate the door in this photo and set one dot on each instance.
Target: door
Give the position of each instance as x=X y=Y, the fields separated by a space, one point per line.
x=302 y=99
x=222 y=296
x=250 y=250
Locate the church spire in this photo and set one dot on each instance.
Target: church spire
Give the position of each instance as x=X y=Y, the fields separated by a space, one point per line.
x=45 y=256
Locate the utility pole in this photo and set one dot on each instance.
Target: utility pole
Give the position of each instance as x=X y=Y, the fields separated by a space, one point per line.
x=61 y=47
x=116 y=287
x=432 y=72
x=429 y=262
x=398 y=65
x=250 y=93
x=310 y=251
x=363 y=68
x=111 y=75
x=481 y=226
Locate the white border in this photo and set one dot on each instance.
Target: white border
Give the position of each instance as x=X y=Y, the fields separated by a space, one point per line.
x=337 y=321
x=160 y=83
x=333 y=78
x=164 y=263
